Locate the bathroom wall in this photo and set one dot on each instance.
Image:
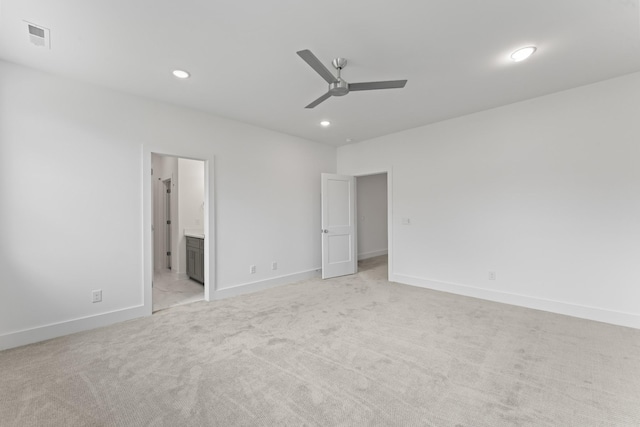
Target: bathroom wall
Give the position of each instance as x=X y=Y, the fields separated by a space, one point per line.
x=190 y=204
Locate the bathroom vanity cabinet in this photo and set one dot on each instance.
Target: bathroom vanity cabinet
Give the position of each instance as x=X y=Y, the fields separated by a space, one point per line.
x=195 y=258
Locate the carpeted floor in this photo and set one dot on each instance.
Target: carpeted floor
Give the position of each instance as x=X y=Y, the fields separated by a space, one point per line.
x=356 y=350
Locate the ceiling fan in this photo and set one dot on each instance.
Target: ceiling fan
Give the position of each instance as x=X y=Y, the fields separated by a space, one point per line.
x=337 y=86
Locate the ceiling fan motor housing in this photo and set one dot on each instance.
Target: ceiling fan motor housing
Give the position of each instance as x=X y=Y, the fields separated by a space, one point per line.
x=339 y=63
x=339 y=88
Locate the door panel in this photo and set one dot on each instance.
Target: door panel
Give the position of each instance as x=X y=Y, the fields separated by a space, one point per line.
x=337 y=192
x=339 y=248
x=338 y=225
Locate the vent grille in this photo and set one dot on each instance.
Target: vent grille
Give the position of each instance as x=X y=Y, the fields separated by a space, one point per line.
x=35 y=31
x=38 y=35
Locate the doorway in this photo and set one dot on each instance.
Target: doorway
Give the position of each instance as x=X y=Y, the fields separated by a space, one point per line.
x=355 y=222
x=372 y=221
x=178 y=219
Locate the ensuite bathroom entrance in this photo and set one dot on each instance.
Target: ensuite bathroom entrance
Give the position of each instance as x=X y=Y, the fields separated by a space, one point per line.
x=178 y=230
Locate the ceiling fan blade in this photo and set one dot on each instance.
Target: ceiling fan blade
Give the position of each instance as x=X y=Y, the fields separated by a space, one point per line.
x=319 y=100
x=390 y=84
x=315 y=63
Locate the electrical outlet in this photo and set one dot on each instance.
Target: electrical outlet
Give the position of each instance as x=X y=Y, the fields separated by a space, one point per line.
x=252 y=269
x=274 y=265
x=96 y=296
x=492 y=275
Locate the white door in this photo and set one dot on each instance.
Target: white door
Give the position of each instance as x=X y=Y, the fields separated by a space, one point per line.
x=338 y=226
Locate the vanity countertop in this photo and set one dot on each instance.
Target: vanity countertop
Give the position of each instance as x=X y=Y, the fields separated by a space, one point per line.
x=194 y=233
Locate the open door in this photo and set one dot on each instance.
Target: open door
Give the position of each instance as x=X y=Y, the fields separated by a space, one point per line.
x=338 y=225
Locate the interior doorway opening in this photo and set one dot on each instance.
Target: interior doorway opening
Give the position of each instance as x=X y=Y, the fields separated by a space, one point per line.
x=372 y=207
x=178 y=207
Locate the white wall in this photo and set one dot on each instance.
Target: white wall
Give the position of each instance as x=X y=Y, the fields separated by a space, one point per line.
x=546 y=193
x=190 y=204
x=372 y=215
x=71 y=222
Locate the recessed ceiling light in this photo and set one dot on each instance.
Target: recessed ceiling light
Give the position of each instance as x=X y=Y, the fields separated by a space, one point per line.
x=325 y=123
x=522 y=53
x=181 y=74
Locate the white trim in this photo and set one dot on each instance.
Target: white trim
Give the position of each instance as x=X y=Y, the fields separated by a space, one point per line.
x=260 y=285
x=372 y=254
x=390 y=259
x=575 y=310
x=146 y=275
x=54 y=330
x=209 y=229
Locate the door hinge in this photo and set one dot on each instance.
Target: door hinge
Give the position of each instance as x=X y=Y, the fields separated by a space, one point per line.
x=151 y=171
x=168 y=191
x=169 y=222
x=168 y=253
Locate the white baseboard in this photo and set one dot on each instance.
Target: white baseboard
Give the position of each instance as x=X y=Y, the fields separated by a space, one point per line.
x=575 y=310
x=372 y=254
x=260 y=285
x=54 y=330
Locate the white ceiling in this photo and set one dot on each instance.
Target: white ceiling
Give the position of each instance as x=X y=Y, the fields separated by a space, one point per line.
x=242 y=54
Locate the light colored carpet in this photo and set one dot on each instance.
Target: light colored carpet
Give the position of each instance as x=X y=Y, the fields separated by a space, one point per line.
x=356 y=350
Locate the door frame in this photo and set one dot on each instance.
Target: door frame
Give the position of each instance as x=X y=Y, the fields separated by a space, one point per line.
x=147 y=223
x=389 y=172
x=165 y=206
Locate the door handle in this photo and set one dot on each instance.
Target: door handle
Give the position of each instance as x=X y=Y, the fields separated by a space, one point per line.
x=324 y=230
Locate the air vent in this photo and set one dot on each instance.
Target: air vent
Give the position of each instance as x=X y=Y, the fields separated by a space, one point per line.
x=38 y=35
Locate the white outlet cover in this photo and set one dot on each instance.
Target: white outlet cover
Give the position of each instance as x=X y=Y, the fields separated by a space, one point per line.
x=96 y=296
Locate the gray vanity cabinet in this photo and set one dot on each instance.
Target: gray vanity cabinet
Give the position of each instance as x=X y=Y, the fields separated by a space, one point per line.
x=195 y=258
